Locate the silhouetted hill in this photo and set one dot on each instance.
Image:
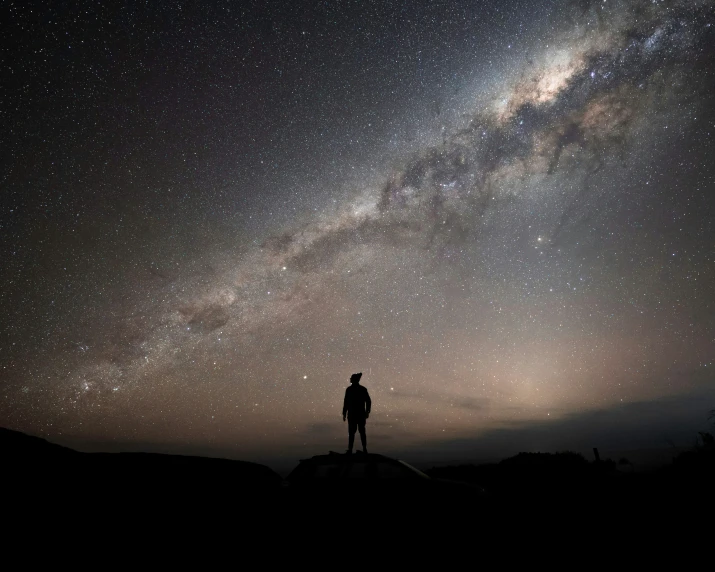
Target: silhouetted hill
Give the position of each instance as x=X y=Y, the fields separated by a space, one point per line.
x=50 y=479
x=23 y=452
x=527 y=471
x=17 y=446
x=565 y=488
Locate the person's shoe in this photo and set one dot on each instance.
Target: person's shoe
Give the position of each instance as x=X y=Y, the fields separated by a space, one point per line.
x=364 y=451
x=349 y=452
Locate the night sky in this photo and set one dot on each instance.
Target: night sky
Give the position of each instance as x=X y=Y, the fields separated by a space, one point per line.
x=501 y=212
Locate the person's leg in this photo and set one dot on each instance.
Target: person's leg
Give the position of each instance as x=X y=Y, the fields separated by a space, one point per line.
x=352 y=427
x=363 y=437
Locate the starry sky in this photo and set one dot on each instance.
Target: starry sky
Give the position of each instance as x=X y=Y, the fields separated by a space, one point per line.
x=501 y=212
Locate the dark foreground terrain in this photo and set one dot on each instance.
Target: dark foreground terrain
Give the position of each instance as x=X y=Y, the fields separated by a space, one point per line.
x=536 y=498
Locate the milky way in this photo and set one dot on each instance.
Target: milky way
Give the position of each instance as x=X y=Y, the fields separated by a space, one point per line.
x=522 y=247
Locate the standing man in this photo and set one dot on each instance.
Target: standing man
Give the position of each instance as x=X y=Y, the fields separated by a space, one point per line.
x=356 y=406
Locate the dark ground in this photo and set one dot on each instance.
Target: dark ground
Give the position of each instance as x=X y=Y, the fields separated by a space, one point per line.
x=554 y=501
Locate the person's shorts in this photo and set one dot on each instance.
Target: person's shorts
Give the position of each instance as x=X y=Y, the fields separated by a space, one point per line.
x=355 y=423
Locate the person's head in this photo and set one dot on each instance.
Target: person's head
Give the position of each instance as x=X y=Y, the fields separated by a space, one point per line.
x=355 y=378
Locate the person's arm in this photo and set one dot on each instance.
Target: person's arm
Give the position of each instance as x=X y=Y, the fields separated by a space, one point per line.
x=345 y=404
x=368 y=404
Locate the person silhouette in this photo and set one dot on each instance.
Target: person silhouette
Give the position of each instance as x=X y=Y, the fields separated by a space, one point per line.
x=356 y=406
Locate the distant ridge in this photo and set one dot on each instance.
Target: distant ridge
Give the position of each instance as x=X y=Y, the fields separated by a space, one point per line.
x=15 y=444
x=29 y=458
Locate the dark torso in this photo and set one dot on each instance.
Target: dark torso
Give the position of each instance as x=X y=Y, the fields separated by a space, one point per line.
x=356 y=398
